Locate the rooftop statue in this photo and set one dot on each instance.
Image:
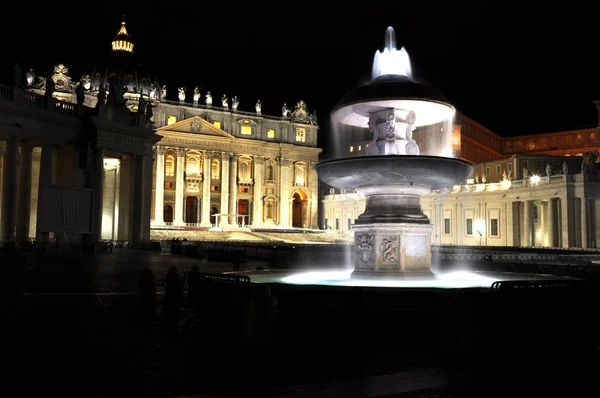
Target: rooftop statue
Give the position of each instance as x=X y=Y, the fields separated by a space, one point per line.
x=224 y=102
x=197 y=94
x=235 y=103
x=285 y=112
x=208 y=99
x=30 y=77
x=163 y=92
x=181 y=94
x=258 y=107
x=153 y=92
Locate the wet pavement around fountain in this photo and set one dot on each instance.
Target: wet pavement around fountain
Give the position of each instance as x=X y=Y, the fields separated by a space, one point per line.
x=68 y=330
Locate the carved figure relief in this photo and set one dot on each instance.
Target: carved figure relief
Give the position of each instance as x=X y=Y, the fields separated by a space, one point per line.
x=389 y=249
x=301 y=115
x=364 y=248
x=61 y=78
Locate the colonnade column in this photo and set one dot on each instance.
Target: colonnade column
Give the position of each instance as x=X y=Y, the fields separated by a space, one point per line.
x=179 y=187
x=284 y=192
x=206 y=178
x=224 y=187
x=259 y=165
x=233 y=188
x=98 y=186
x=137 y=215
x=552 y=218
x=46 y=162
x=24 y=205
x=160 y=186
x=9 y=189
x=1 y=181
x=526 y=240
x=584 y=223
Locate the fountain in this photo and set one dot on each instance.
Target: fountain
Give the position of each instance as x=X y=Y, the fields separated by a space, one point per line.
x=393 y=235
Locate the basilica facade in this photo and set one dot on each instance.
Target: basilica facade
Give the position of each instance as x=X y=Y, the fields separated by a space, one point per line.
x=105 y=155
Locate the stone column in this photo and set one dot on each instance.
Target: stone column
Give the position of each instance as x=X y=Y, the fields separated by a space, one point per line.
x=284 y=192
x=125 y=197
x=160 y=186
x=1 y=180
x=584 y=223
x=233 y=188
x=179 y=187
x=46 y=161
x=259 y=165
x=225 y=187
x=527 y=221
x=567 y=222
x=24 y=206
x=552 y=219
x=206 y=178
x=9 y=190
x=98 y=186
x=137 y=215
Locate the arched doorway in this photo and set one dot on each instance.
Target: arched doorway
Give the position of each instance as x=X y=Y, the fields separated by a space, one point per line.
x=213 y=210
x=168 y=213
x=297 y=211
x=191 y=209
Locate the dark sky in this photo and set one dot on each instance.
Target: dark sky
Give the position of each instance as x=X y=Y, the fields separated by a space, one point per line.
x=515 y=69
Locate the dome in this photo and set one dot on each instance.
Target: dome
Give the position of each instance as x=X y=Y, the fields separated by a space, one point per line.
x=124 y=66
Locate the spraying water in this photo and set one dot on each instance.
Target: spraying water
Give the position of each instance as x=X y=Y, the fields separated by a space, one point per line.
x=391 y=61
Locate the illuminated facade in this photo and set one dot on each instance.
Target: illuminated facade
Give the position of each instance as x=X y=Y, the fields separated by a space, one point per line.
x=200 y=164
x=539 y=190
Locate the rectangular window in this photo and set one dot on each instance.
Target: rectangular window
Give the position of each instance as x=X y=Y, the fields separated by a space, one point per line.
x=349 y=224
x=243 y=190
x=246 y=130
x=300 y=134
x=447 y=226
x=326 y=223
x=168 y=184
x=509 y=166
x=498 y=169
x=487 y=171
x=270 y=133
x=469 y=226
x=217 y=124
x=214 y=188
x=494 y=227
x=351 y=148
x=337 y=224
x=171 y=120
x=359 y=148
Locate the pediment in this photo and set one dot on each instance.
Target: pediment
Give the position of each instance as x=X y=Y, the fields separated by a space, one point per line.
x=194 y=125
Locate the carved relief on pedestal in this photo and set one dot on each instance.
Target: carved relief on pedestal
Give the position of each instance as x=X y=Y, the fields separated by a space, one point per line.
x=388 y=250
x=365 y=249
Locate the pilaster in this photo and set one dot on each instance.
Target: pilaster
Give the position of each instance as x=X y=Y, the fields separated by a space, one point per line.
x=160 y=186
x=233 y=188
x=284 y=191
x=225 y=156
x=24 y=200
x=257 y=217
x=179 y=187
x=46 y=162
x=206 y=178
x=9 y=190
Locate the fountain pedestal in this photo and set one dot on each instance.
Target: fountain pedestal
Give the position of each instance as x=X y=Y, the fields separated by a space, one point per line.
x=392 y=248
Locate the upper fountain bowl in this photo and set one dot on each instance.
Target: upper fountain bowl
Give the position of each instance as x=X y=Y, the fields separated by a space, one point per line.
x=392 y=91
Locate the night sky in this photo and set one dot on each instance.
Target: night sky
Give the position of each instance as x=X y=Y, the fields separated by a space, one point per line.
x=513 y=69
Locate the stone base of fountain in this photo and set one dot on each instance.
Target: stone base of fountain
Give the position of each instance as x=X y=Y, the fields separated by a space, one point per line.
x=392 y=249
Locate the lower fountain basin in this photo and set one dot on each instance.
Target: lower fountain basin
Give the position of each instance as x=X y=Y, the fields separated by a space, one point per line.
x=435 y=172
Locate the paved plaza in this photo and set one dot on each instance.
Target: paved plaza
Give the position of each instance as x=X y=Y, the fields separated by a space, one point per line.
x=69 y=330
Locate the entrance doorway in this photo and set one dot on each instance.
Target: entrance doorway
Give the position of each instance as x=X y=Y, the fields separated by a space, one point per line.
x=168 y=213
x=243 y=210
x=213 y=211
x=191 y=209
x=297 y=211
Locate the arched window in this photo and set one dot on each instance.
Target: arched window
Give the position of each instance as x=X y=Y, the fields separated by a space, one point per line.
x=299 y=177
x=193 y=165
x=244 y=171
x=269 y=172
x=169 y=166
x=214 y=170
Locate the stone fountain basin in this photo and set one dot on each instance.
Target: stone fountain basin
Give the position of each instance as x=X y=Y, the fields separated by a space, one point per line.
x=436 y=172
